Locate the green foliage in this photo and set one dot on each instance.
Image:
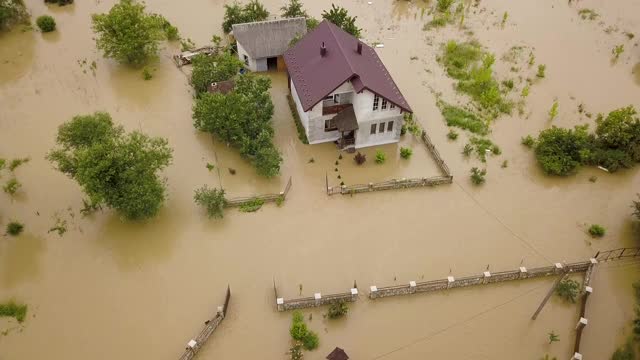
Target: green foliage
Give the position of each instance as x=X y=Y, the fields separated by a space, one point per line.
x=128 y=34
x=15 y=163
x=525 y=91
x=14 y=310
x=12 y=186
x=299 y=332
x=3 y=163
x=528 y=141
x=338 y=310
x=242 y=118
x=113 y=168
x=405 y=153
x=618 y=139
x=312 y=23
x=452 y=134
x=147 y=73
x=588 y=14
x=60 y=226
x=381 y=157
x=596 y=230
x=467 y=150
x=340 y=17
x=561 y=151
x=553 y=337
x=626 y=352
x=464 y=119
x=505 y=16
x=14 y=228
x=617 y=51
x=553 y=112
x=473 y=67
x=171 y=32
x=302 y=133
x=568 y=290
x=310 y=341
x=12 y=12
x=296 y=351
x=478 y=176
x=482 y=146
x=46 y=23
x=361 y=159
x=252 y=206
x=237 y=14
x=293 y=9
x=411 y=125
x=212 y=200
x=210 y=69
x=444 y=5
x=508 y=84
x=636 y=213
x=541 y=71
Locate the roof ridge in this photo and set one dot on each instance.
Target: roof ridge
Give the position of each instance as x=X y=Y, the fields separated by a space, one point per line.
x=339 y=43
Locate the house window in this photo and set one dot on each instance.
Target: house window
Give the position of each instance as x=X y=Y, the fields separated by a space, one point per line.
x=373 y=129
x=330 y=125
x=381 y=128
x=384 y=104
x=390 y=126
x=392 y=106
x=246 y=60
x=376 y=102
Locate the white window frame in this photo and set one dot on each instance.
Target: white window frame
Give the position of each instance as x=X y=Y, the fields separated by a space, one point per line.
x=376 y=102
x=392 y=106
x=390 y=126
x=384 y=104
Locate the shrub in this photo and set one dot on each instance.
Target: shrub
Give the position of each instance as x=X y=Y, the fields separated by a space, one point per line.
x=452 y=135
x=113 y=168
x=528 y=141
x=444 y=5
x=12 y=186
x=360 y=158
x=568 y=290
x=553 y=112
x=210 y=69
x=252 y=206
x=338 y=310
x=467 y=120
x=147 y=73
x=508 y=84
x=380 y=157
x=467 y=150
x=3 y=163
x=14 y=228
x=620 y=130
x=477 y=176
x=340 y=17
x=12 y=12
x=541 y=71
x=588 y=14
x=310 y=341
x=14 y=310
x=212 y=200
x=561 y=151
x=298 y=330
x=625 y=352
x=483 y=146
x=46 y=23
x=596 y=230
x=525 y=91
x=617 y=51
x=237 y=14
x=405 y=153
x=15 y=163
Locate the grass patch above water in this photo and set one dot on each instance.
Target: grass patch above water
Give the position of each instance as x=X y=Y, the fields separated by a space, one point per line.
x=14 y=310
x=462 y=118
x=252 y=206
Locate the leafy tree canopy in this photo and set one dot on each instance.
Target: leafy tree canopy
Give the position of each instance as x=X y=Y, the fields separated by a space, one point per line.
x=209 y=69
x=340 y=17
x=238 y=14
x=11 y=12
x=560 y=151
x=243 y=119
x=295 y=9
x=115 y=169
x=130 y=35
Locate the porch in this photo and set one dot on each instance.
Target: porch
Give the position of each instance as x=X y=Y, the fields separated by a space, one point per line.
x=347 y=124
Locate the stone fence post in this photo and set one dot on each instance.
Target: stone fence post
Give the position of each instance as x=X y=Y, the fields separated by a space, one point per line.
x=354 y=294
x=486 y=277
x=523 y=272
x=412 y=287
x=318 y=298
x=374 y=292
x=280 y=304
x=450 y=281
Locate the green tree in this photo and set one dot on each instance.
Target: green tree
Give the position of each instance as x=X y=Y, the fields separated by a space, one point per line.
x=115 y=169
x=211 y=199
x=46 y=23
x=620 y=130
x=340 y=17
x=561 y=151
x=209 y=69
x=568 y=290
x=242 y=118
x=338 y=310
x=128 y=34
x=295 y=9
x=11 y=12
x=237 y=14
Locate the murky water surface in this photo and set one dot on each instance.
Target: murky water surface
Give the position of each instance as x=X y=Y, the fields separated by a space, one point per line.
x=113 y=290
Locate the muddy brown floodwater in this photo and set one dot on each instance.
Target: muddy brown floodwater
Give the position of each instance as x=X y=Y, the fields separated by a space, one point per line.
x=113 y=290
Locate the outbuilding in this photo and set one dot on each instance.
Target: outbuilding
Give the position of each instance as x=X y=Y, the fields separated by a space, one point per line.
x=261 y=44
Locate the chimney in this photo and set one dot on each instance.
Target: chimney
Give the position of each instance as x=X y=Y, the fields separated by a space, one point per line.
x=323 y=50
x=359 y=47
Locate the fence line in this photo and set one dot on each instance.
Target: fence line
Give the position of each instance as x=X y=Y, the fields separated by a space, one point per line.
x=486 y=278
x=194 y=345
x=582 y=321
x=617 y=254
x=426 y=140
x=239 y=201
x=316 y=300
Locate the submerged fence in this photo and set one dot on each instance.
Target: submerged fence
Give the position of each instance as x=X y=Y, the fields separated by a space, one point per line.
x=316 y=300
x=194 y=345
x=239 y=201
x=618 y=254
x=447 y=178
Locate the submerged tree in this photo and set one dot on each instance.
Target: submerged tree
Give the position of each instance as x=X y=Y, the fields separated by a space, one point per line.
x=12 y=12
x=115 y=169
x=237 y=14
x=209 y=69
x=242 y=118
x=340 y=17
x=211 y=199
x=130 y=35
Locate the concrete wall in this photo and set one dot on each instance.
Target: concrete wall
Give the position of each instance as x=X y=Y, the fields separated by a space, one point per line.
x=363 y=107
x=254 y=64
x=316 y=300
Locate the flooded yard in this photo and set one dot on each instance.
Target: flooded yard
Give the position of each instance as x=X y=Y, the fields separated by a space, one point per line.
x=109 y=289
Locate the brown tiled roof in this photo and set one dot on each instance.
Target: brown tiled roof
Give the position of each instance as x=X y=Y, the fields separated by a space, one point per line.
x=338 y=354
x=316 y=76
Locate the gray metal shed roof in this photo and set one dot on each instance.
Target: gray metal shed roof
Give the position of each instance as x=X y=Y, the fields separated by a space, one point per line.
x=269 y=38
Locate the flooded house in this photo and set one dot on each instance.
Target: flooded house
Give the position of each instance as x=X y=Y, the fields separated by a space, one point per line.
x=261 y=44
x=342 y=90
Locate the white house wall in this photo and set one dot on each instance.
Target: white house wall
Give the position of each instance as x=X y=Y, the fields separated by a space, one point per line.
x=241 y=53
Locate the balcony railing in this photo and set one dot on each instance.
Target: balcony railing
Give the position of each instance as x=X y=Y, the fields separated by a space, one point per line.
x=334 y=109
